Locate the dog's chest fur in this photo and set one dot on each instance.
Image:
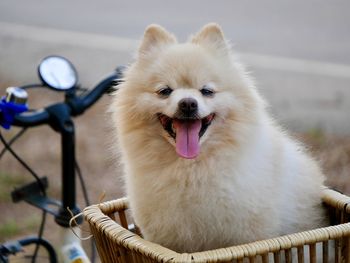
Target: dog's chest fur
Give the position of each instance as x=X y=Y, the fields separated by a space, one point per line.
x=223 y=200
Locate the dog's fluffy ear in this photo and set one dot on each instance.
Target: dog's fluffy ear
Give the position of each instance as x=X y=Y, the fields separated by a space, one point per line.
x=212 y=37
x=154 y=39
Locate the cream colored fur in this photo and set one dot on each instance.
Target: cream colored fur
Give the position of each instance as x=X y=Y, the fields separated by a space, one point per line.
x=250 y=181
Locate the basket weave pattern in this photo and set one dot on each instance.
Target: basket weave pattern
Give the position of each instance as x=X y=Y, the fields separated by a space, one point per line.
x=115 y=243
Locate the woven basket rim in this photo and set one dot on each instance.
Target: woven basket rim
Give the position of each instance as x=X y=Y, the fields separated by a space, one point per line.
x=97 y=216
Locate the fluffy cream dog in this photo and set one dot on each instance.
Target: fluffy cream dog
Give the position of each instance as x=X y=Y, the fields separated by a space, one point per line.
x=205 y=165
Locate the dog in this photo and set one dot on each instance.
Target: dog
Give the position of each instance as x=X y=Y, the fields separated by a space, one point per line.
x=205 y=164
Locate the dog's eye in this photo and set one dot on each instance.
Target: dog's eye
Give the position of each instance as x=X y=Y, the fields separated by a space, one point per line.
x=165 y=92
x=207 y=92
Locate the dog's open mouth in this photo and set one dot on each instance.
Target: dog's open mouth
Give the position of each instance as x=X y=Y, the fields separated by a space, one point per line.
x=186 y=133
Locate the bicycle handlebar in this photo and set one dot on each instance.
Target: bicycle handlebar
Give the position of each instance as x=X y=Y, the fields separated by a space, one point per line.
x=31 y=118
x=79 y=105
x=76 y=105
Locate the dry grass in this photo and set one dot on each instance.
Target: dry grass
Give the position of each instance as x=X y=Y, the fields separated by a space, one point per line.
x=40 y=147
x=333 y=152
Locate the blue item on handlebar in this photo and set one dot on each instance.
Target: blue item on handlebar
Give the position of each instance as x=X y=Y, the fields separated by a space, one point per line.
x=8 y=110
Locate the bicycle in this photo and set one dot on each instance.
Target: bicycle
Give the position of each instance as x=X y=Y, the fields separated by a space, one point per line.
x=59 y=74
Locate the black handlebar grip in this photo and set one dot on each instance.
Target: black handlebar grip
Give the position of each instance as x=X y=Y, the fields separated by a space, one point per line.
x=119 y=78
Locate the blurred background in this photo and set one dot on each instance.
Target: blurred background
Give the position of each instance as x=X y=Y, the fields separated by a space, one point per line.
x=297 y=51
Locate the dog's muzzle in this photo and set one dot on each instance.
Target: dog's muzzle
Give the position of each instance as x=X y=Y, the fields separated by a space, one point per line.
x=186 y=127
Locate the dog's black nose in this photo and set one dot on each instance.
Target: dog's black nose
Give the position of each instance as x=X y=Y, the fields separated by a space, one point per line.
x=188 y=106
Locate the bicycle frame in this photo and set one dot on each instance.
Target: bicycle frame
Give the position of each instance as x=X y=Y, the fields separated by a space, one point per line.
x=70 y=250
x=59 y=117
x=60 y=120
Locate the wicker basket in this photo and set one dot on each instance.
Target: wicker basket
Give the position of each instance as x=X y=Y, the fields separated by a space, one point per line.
x=115 y=243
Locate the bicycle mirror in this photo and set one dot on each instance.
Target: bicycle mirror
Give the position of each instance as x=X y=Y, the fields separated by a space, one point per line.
x=58 y=73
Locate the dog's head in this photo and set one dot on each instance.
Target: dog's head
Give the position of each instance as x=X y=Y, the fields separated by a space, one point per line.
x=188 y=93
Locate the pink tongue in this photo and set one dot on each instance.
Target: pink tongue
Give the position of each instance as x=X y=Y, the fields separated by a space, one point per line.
x=187 y=138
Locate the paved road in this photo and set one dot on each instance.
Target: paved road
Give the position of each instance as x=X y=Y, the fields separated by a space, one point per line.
x=299 y=51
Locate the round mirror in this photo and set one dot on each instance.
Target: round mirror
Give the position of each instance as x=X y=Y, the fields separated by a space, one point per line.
x=58 y=73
